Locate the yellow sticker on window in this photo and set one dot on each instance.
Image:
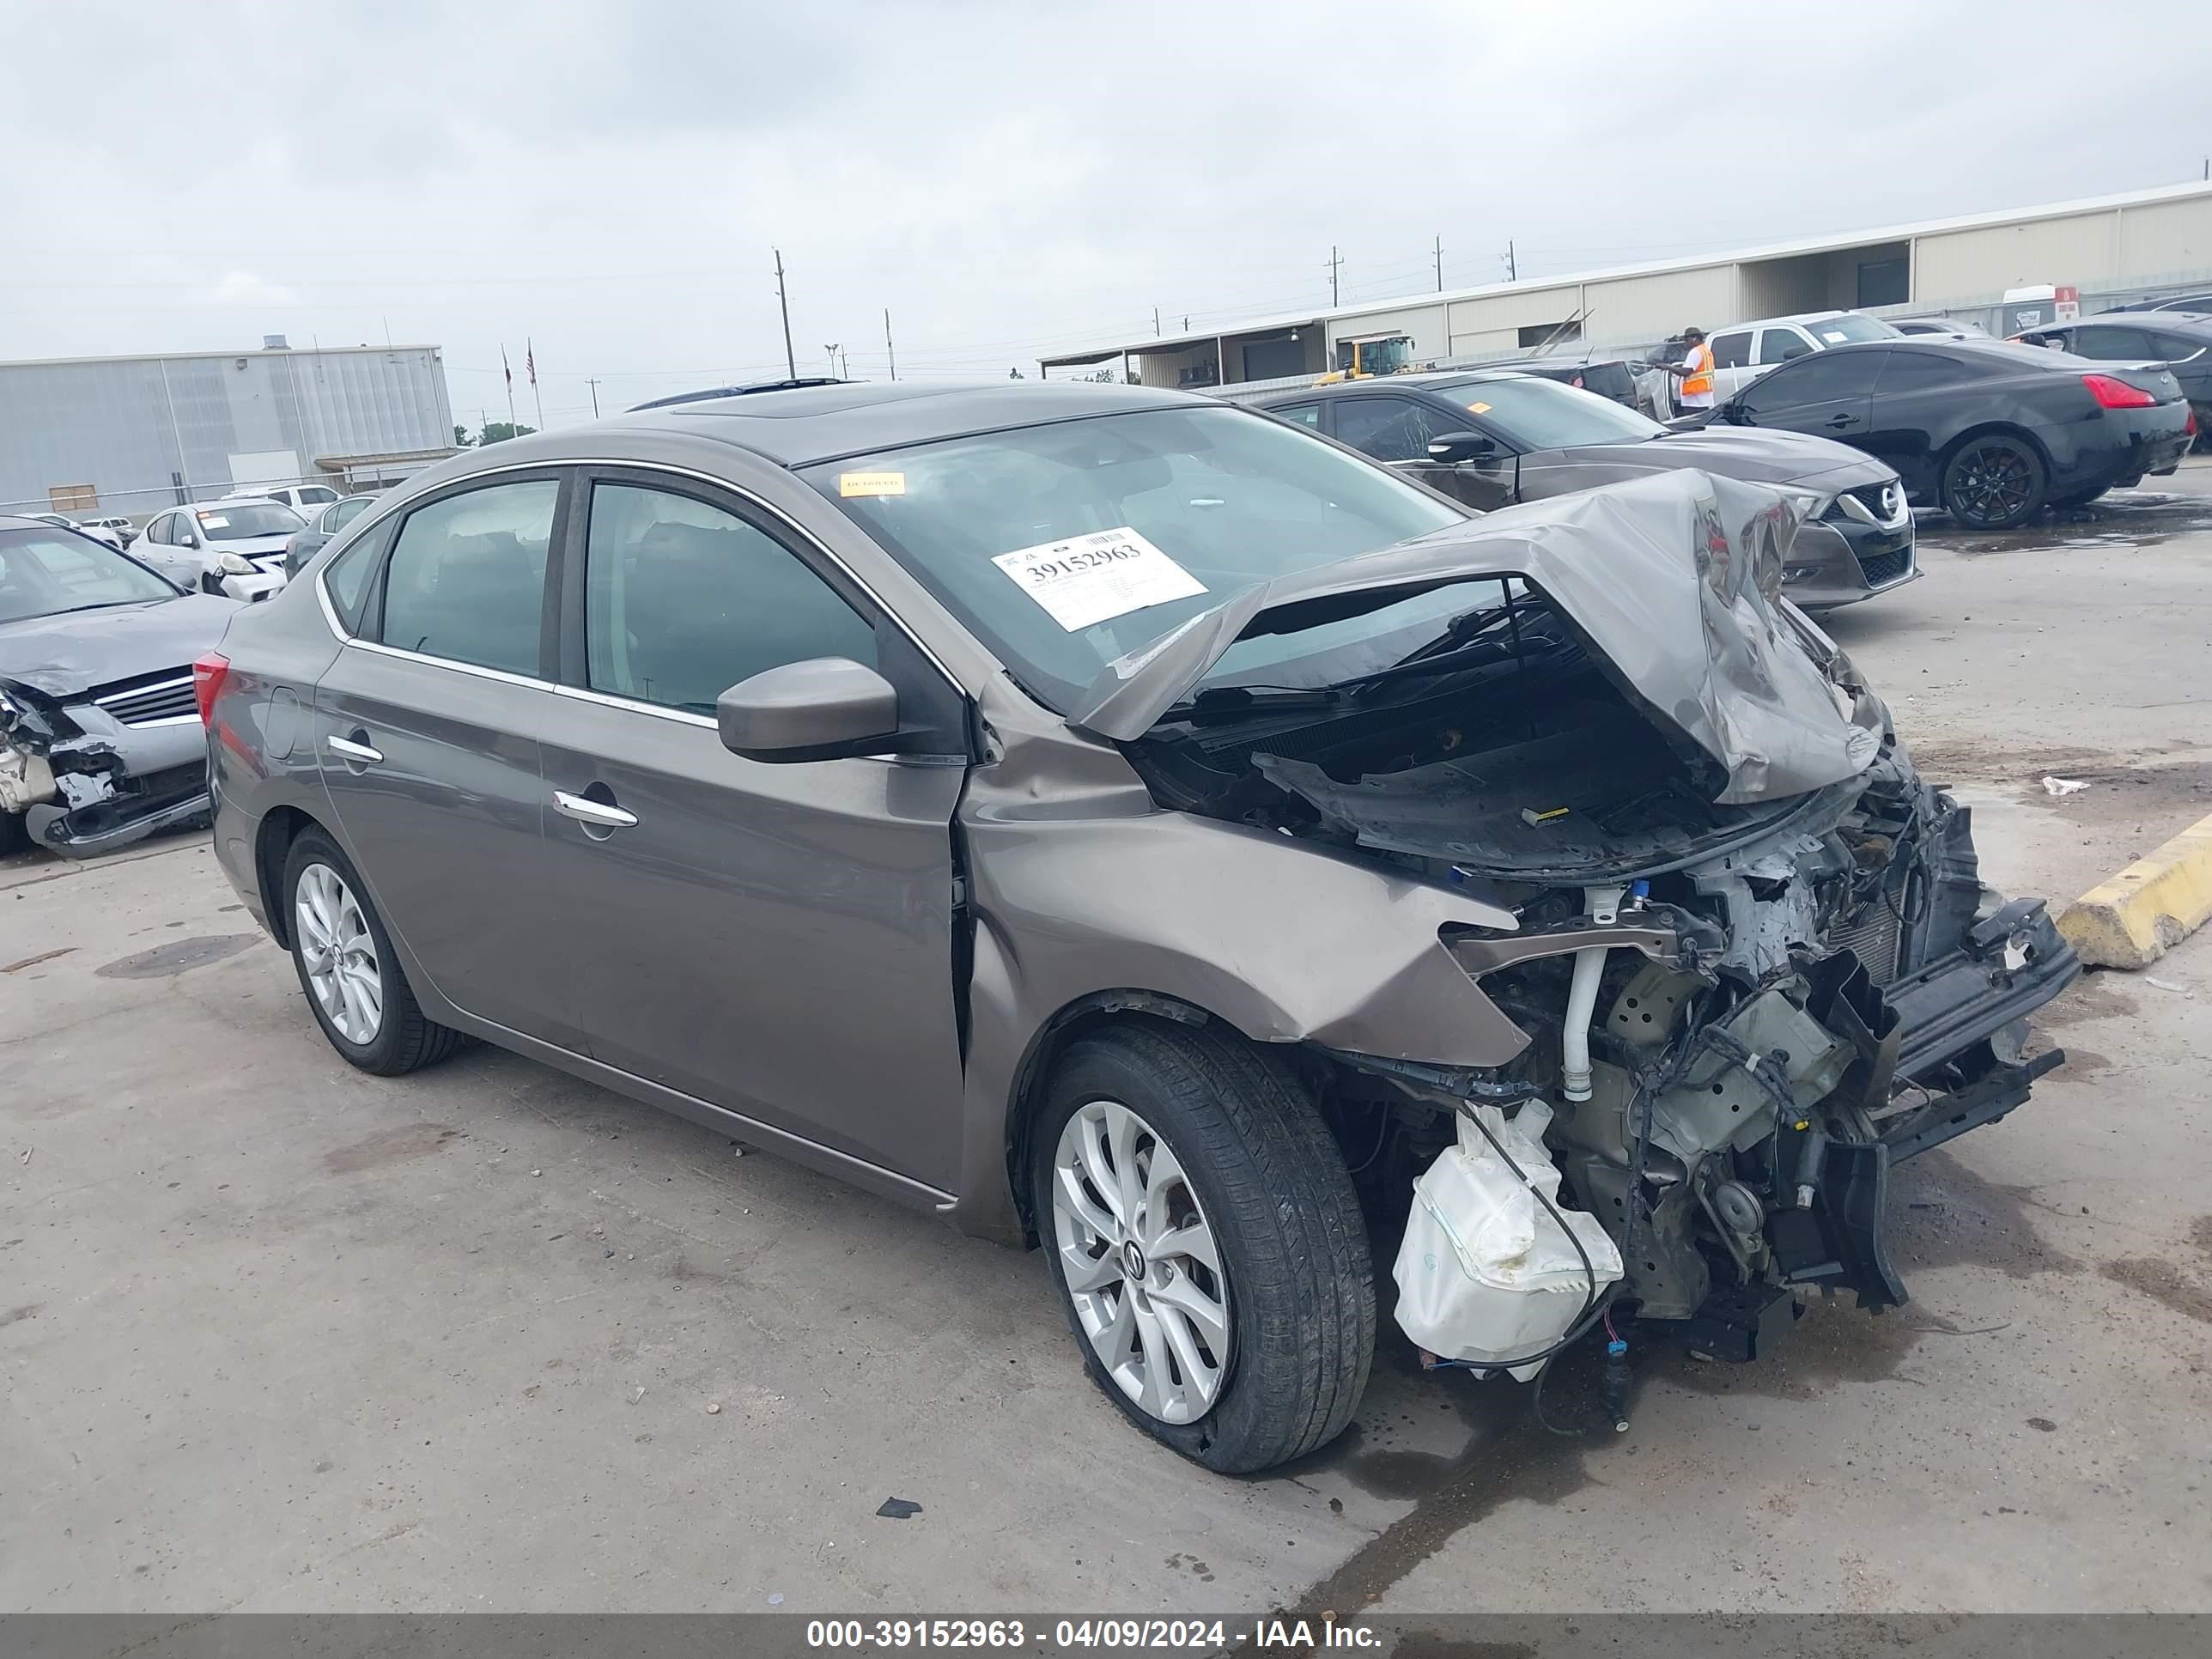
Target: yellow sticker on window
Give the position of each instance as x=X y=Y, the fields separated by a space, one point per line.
x=871 y=484
x=1480 y=409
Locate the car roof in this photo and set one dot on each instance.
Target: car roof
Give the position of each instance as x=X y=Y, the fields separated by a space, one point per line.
x=1435 y=380
x=1794 y=317
x=803 y=425
x=2176 y=322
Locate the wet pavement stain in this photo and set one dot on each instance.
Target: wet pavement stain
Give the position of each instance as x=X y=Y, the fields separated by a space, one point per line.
x=1509 y=1457
x=2123 y=519
x=393 y=1146
x=28 y=1310
x=2095 y=995
x=2200 y=1234
x=2160 y=1280
x=1943 y=1214
x=177 y=957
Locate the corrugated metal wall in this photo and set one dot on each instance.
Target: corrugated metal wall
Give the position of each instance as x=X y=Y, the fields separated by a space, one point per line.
x=124 y=425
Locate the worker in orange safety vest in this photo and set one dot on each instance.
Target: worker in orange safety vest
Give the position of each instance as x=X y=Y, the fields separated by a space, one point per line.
x=1695 y=372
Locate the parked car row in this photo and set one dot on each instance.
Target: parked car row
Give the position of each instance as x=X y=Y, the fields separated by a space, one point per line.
x=1491 y=438
x=1220 y=837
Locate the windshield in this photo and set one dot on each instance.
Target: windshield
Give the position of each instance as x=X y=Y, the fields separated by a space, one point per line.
x=235 y=521
x=1538 y=414
x=1849 y=330
x=42 y=574
x=1063 y=547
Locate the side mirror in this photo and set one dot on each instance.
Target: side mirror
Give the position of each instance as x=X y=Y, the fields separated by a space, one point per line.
x=823 y=708
x=1457 y=447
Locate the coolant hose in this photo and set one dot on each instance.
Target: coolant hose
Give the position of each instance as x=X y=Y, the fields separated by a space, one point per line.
x=1603 y=904
x=1574 y=1037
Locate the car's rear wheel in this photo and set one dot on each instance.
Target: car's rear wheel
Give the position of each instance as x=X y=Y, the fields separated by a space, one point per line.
x=1207 y=1243
x=1994 y=481
x=354 y=982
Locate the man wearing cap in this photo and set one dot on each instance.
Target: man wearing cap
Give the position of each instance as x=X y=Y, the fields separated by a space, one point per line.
x=1695 y=372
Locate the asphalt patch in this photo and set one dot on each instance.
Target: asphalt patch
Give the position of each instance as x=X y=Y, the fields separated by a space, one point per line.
x=392 y=1146
x=177 y=957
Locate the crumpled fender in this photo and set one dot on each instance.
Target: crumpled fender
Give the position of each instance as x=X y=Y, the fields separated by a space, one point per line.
x=1077 y=893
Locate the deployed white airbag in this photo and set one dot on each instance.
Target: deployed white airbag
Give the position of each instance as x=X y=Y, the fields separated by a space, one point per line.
x=1485 y=1273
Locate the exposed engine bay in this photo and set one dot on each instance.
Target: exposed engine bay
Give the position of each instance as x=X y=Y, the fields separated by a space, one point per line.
x=1742 y=1010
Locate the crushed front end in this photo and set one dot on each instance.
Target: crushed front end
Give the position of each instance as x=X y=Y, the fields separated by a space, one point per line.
x=1752 y=957
x=90 y=773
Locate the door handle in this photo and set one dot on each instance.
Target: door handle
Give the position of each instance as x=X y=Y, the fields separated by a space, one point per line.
x=1840 y=421
x=360 y=753
x=599 y=814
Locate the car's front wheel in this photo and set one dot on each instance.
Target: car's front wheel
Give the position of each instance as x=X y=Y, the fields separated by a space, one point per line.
x=1994 y=481
x=355 y=986
x=1207 y=1243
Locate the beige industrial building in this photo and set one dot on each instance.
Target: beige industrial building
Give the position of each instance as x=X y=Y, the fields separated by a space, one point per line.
x=2108 y=248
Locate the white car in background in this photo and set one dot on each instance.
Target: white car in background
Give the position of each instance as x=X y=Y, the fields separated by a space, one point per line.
x=95 y=528
x=306 y=499
x=1744 y=352
x=235 y=546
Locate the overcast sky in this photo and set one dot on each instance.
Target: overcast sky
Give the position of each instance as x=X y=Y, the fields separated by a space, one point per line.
x=607 y=179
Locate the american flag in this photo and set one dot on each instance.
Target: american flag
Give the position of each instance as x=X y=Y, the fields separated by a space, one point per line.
x=505 y=370
x=529 y=362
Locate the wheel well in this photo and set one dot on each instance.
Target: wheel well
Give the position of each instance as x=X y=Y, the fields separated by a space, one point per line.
x=280 y=827
x=1100 y=1010
x=1989 y=429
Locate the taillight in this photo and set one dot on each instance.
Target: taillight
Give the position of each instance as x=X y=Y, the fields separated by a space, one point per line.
x=2117 y=394
x=209 y=669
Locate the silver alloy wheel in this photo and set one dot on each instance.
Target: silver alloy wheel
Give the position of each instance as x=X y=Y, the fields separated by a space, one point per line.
x=1141 y=1262
x=340 y=954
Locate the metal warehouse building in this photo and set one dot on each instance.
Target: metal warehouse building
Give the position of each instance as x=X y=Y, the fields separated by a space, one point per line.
x=2108 y=248
x=134 y=434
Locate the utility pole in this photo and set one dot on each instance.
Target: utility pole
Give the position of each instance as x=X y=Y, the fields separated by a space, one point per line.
x=889 y=353
x=1512 y=270
x=790 y=359
x=1440 y=265
x=594 y=385
x=1334 y=260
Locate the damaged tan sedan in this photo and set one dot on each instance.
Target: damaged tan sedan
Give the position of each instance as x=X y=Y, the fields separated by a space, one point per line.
x=1124 y=823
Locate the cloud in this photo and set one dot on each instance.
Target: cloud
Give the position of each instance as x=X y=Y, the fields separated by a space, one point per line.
x=608 y=179
x=243 y=287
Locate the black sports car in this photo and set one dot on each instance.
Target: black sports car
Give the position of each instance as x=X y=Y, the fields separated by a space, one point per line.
x=1991 y=431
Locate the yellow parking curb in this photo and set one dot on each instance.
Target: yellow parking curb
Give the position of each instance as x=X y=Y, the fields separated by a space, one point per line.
x=2146 y=910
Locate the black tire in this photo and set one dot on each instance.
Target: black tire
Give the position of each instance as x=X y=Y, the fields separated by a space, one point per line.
x=404 y=1040
x=13 y=838
x=2079 y=497
x=1296 y=1276
x=1994 y=481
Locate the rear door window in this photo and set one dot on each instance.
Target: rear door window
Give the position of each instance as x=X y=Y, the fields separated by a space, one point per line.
x=1732 y=350
x=466 y=578
x=347 y=579
x=683 y=599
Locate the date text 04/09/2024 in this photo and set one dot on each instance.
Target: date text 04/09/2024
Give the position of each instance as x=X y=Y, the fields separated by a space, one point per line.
x=1075 y=1635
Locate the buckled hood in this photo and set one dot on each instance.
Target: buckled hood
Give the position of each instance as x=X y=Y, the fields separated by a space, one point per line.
x=1674 y=581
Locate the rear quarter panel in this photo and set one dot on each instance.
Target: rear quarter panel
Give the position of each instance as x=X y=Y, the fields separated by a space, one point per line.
x=261 y=752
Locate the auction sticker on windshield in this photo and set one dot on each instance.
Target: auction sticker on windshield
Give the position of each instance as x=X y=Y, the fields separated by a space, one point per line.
x=1092 y=579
